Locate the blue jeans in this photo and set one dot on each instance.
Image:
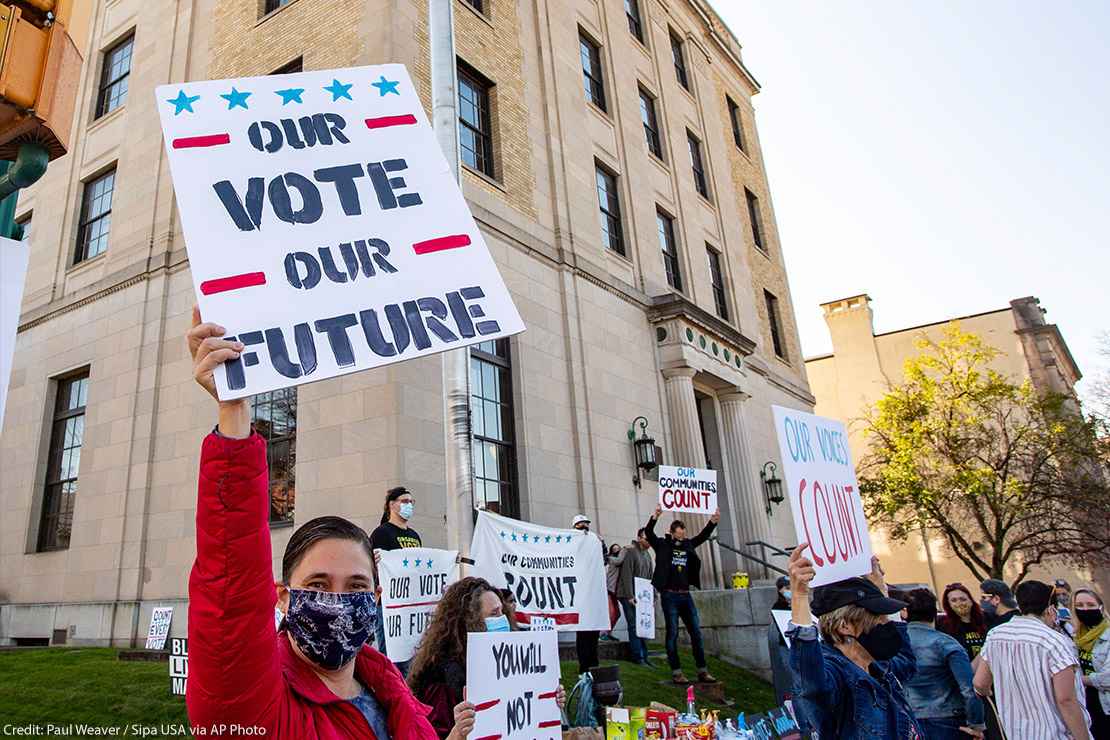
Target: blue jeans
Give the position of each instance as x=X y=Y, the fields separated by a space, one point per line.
x=681 y=606
x=941 y=729
x=637 y=645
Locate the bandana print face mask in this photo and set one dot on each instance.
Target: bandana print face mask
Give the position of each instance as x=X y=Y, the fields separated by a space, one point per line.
x=330 y=628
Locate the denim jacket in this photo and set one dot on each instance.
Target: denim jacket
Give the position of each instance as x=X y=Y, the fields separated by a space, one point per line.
x=941 y=688
x=842 y=701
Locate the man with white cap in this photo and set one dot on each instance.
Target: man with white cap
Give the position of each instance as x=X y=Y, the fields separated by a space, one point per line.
x=585 y=643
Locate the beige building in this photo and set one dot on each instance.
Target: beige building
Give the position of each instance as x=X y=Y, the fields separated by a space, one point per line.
x=863 y=365
x=612 y=160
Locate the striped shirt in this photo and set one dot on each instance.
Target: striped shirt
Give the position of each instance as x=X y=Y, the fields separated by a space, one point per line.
x=1024 y=654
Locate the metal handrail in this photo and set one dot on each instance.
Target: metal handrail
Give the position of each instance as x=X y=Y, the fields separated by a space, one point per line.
x=774 y=550
x=767 y=566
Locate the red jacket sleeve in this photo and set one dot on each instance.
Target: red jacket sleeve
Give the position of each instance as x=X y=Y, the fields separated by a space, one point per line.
x=234 y=667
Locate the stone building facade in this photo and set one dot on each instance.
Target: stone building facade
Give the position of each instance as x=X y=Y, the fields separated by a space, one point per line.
x=670 y=303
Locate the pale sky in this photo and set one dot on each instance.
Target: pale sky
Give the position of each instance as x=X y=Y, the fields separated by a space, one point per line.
x=944 y=157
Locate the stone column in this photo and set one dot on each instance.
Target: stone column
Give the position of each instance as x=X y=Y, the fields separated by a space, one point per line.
x=748 y=499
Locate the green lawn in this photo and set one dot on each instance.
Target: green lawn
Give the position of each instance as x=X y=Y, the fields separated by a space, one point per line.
x=90 y=686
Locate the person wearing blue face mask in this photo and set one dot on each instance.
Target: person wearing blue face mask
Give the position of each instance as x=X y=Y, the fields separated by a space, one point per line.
x=437 y=673
x=394 y=533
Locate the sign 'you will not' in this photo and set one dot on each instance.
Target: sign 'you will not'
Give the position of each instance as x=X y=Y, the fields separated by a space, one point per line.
x=324 y=227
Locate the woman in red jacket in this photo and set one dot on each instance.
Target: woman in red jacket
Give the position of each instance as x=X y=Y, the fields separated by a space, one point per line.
x=316 y=677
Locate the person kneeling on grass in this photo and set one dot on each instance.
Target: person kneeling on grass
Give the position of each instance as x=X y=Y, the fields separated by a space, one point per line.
x=316 y=677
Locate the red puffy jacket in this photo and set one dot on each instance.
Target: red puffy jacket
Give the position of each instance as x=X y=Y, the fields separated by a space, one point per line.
x=242 y=672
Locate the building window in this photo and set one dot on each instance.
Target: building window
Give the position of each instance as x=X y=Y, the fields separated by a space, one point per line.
x=96 y=216
x=293 y=67
x=475 y=128
x=737 y=123
x=667 y=245
x=25 y=228
x=608 y=200
x=269 y=6
x=679 y=59
x=114 y=77
x=651 y=123
x=592 y=80
x=635 y=25
x=696 y=164
x=491 y=410
x=66 y=437
x=717 y=280
x=274 y=414
x=476 y=4
x=756 y=219
x=774 y=318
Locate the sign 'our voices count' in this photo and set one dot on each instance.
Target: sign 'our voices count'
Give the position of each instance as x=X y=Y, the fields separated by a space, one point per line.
x=324 y=227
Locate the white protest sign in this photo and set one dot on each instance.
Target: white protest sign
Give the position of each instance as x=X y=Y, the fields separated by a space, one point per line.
x=824 y=495
x=782 y=621
x=512 y=679
x=645 y=608
x=412 y=579
x=159 y=627
x=13 y=271
x=556 y=573
x=688 y=489
x=539 y=624
x=324 y=227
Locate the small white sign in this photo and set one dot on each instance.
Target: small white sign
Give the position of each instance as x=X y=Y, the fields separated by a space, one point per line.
x=159 y=627
x=645 y=608
x=13 y=271
x=324 y=227
x=539 y=624
x=692 y=490
x=413 y=580
x=512 y=679
x=782 y=619
x=824 y=495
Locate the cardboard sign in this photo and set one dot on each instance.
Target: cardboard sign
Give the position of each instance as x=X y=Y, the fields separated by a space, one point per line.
x=324 y=227
x=540 y=624
x=179 y=665
x=782 y=621
x=13 y=271
x=555 y=573
x=824 y=495
x=692 y=490
x=159 y=627
x=413 y=580
x=512 y=678
x=645 y=608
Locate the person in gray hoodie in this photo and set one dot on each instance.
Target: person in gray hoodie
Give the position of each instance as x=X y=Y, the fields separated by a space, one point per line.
x=636 y=562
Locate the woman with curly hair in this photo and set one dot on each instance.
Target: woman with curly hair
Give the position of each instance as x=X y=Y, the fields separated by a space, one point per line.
x=963 y=619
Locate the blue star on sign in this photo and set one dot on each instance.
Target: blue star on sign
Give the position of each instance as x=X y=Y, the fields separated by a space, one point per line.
x=429 y=565
x=418 y=562
x=236 y=98
x=502 y=535
x=339 y=90
x=405 y=562
x=290 y=95
x=386 y=86
x=513 y=537
x=547 y=538
x=183 y=102
x=558 y=538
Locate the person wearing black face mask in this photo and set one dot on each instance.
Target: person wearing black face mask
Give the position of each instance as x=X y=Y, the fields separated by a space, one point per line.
x=850 y=683
x=1092 y=638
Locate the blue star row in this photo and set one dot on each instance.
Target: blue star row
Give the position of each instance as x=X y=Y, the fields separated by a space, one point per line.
x=405 y=562
x=536 y=537
x=238 y=99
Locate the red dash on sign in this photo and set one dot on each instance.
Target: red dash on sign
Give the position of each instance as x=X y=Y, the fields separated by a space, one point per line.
x=233 y=282
x=386 y=121
x=490 y=737
x=441 y=243
x=402 y=606
x=486 y=705
x=526 y=617
x=548 y=695
x=190 y=142
x=550 y=723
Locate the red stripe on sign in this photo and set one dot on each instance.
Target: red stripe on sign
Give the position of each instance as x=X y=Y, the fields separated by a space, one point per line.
x=526 y=617
x=233 y=282
x=490 y=737
x=486 y=705
x=386 y=121
x=189 y=142
x=548 y=695
x=441 y=243
x=402 y=606
x=550 y=723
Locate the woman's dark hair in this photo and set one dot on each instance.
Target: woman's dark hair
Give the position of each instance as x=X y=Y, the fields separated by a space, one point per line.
x=314 y=530
x=951 y=623
x=458 y=612
x=390 y=496
x=921 y=606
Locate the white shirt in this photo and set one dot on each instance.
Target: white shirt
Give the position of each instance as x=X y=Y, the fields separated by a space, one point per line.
x=1024 y=654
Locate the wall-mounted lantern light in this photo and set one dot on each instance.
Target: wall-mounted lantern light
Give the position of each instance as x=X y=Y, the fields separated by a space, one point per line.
x=772 y=485
x=643 y=447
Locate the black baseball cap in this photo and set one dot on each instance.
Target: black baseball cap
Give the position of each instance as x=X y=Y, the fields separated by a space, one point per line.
x=995 y=587
x=782 y=582
x=858 y=591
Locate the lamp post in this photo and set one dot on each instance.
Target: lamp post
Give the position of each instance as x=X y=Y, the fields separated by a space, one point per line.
x=644 y=450
x=772 y=485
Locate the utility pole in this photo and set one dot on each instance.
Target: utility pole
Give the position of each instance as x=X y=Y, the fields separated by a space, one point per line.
x=456 y=362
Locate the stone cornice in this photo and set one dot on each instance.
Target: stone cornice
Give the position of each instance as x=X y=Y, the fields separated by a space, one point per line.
x=673 y=305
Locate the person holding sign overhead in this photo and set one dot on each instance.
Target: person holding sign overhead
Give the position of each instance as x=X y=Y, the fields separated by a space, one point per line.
x=393 y=533
x=677 y=570
x=317 y=676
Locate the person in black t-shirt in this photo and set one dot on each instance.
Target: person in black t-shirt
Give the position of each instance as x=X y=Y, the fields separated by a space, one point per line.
x=997 y=602
x=393 y=533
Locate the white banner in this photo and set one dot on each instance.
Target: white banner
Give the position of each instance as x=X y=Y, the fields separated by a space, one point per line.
x=324 y=227
x=645 y=608
x=693 y=490
x=512 y=679
x=412 y=579
x=160 y=620
x=824 y=495
x=557 y=573
x=13 y=271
